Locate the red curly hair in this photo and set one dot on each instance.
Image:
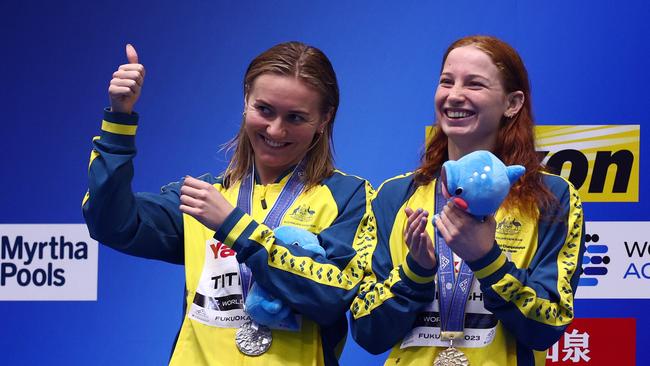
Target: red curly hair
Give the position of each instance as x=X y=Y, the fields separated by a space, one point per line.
x=516 y=137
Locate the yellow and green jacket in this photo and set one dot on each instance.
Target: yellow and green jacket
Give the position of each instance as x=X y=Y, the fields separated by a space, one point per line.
x=522 y=296
x=318 y=288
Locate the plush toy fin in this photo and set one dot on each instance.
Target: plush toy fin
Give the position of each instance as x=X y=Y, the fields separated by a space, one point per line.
x=264 y=308
x=515 y=172
x=272 y=306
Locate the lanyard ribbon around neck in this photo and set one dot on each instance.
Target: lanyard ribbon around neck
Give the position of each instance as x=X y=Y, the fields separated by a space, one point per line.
x=287 y=197
x=452 y=291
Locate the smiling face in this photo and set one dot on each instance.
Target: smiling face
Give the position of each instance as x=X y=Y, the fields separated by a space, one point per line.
x=283 y=115
x=470 y=101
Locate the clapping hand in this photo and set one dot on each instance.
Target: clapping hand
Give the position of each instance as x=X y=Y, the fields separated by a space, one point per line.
x=418 y=240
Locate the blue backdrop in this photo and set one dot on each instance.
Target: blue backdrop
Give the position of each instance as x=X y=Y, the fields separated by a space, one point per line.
x=587 y=62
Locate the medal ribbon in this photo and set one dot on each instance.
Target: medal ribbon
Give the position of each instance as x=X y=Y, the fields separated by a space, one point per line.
x=287 y=197
x=452 y=292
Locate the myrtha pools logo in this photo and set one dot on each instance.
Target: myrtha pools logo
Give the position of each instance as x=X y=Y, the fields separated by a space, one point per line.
x=47 y=262
x=594 y=261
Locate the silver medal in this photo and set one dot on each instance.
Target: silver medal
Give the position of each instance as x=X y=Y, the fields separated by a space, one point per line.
x=451 y=357
x=253 y=339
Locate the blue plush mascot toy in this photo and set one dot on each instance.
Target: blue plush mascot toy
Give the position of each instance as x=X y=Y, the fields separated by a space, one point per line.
x=263 y=307
x=478 y=182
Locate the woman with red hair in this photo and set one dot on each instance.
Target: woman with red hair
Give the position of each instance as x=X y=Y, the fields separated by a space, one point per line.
x=457 y=290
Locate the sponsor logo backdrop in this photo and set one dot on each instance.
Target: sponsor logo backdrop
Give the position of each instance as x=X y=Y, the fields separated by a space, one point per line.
x=47 y=262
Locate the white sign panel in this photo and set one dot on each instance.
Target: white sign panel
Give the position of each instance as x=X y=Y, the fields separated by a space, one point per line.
x=616 y=263
x=47 y=262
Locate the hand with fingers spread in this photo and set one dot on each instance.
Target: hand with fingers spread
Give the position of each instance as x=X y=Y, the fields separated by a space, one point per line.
x=418 y=240
x=468 y=237
x=202 y=201
x=126 y=85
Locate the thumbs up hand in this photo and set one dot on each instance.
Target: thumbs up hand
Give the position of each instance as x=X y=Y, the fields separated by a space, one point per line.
x=126 y=85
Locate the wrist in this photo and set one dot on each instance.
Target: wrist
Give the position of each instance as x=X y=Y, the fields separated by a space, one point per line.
x=426 y=264
x=123 y=110
x=416 y=273
x=223 y=216
x=489 y=263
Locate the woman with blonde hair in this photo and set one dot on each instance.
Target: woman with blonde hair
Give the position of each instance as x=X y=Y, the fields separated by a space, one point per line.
x=220 y=228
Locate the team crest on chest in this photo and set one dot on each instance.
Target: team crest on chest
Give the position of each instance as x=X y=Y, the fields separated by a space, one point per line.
x=302 y=213
x=509 y=226
x=513 y=233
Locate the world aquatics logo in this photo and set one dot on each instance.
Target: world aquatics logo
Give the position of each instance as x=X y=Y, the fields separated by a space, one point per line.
x=594 y=261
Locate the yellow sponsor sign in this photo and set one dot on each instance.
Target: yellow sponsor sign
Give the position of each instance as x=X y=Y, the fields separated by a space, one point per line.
x=602 y=161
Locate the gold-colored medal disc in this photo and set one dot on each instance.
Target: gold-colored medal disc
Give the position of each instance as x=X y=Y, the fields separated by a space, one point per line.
x=451 y=357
